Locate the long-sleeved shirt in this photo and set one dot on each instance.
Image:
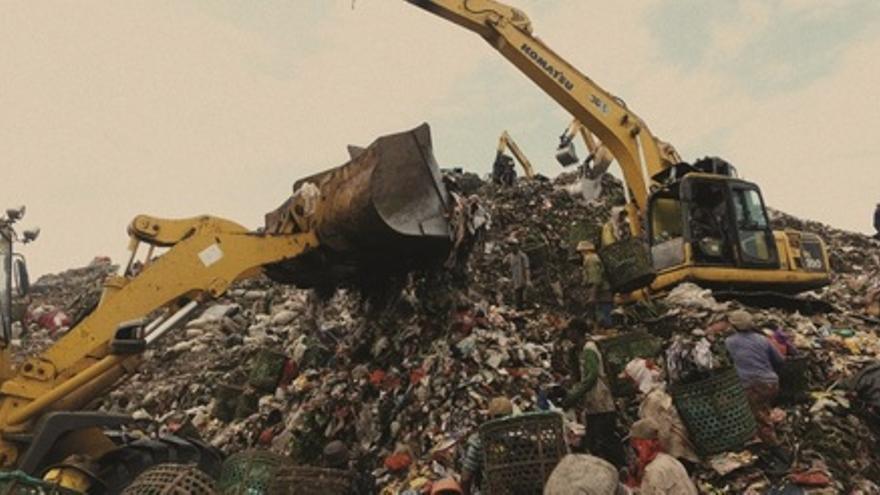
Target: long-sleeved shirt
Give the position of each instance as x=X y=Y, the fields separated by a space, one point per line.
x=591 y=391
x=473 y=456
x=472 y=465
x=755 y=358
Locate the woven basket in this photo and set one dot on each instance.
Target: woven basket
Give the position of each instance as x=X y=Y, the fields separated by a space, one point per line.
x=628 y=265
x=716 y=412
x=250 y=472
x=794 y=380
x=303 y=480
x=520 y=452
x=18 y=483
x=171 y=479
x=227 y=397
x=583 y=231
x=618 y=351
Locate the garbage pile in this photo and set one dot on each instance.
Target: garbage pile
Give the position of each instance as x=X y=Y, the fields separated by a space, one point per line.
x=404 y=382
x=855 y=261
x=56 y=302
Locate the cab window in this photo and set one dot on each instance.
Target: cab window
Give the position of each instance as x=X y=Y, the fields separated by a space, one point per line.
x=666 y=220
x=755 y=239
x=709 y=223
x=750 y=210
x=667 y=232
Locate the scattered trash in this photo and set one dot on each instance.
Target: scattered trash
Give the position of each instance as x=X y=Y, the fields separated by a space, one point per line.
x=406 y=381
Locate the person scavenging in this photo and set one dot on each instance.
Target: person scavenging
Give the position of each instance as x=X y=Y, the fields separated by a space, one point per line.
x=756 y=361
x=472 y=466
x=520 y=273
x=600 y=298
x=590 y=393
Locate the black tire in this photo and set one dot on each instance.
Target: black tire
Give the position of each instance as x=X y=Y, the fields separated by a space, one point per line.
x=117 y=469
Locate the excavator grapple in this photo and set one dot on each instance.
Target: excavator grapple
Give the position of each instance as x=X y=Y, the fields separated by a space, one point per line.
x=384 y=210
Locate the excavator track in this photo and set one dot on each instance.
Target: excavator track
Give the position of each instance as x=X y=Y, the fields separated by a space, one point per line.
x=769 y=299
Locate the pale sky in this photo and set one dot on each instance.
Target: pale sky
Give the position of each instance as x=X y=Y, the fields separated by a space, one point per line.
x=180 y=108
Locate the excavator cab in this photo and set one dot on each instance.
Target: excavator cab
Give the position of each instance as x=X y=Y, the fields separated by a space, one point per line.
x=726 y=223
x=503 y=170
x=707 y=225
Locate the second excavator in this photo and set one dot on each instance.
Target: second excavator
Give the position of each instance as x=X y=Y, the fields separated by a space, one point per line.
x=503 y=171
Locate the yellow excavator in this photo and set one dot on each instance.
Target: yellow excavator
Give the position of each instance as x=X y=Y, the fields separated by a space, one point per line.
x=383 y=211
x=702 y=223
x=502 y=169
x=386 y=209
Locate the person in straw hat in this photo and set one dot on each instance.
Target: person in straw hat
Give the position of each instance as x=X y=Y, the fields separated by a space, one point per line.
x=600 y=299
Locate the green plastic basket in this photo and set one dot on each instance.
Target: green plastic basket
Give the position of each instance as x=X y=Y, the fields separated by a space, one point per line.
x=248 y=403
x=250 y=472
x=716 y=412
x=628 y=265
x=171 y=479
x=618 y=351
x=304 y=480
x=18 y=483
x=520 y=452
x=266 y=371
x=583 y=230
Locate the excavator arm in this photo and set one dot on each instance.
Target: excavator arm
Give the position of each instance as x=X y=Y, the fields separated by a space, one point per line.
x=573 y=130
x=509 y=31
x=385 y=209
x=599 y=156
x=506 y=142
x=205 y=256
x=645 y=161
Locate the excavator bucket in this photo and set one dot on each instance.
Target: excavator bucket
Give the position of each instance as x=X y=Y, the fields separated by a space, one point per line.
x=566 y=155
x=382 y=212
